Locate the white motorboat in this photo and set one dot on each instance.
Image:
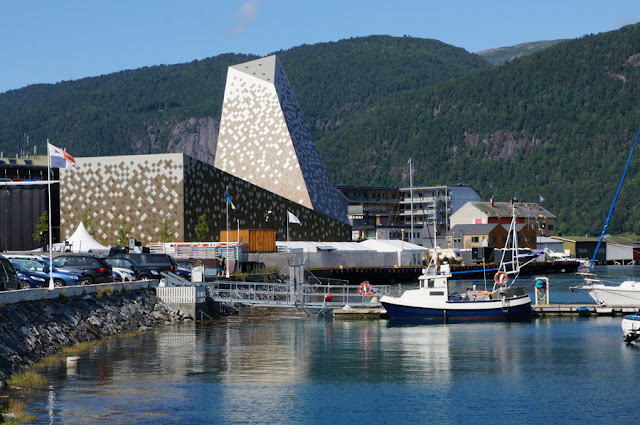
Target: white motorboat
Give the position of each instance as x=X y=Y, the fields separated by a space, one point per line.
x=631 y=327
x=626 y=294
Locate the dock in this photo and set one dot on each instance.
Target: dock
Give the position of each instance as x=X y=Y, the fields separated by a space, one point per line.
x=581 y=310
x=549 y=310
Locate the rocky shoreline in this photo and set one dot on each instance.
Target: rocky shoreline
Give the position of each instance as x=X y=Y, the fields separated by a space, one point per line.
x=34 y=330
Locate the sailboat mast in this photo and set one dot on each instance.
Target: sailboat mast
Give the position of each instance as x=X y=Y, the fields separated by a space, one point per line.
x=613 y=204
x=411 y=196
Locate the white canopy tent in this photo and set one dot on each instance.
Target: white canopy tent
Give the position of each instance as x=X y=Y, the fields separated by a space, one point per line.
x=82 y=241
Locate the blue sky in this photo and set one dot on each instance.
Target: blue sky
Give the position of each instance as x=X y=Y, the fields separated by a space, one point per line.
x=44 y=41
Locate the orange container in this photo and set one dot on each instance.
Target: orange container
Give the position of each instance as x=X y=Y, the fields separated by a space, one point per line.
x=259 y=240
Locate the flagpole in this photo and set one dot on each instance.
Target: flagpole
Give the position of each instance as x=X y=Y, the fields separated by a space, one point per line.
x=288 y=248
x=226 y=264
x=51 y=284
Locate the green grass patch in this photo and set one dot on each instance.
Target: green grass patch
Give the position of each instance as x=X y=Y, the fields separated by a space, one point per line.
x=28 y=380
x=17 y=408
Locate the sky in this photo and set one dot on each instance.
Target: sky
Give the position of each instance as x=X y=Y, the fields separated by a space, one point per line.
x=44 y=41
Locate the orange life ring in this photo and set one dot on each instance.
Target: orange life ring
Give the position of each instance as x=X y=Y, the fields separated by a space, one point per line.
x=501 y=278
x=365 y=289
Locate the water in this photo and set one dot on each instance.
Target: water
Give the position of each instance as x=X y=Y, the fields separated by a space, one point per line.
x=288 y=371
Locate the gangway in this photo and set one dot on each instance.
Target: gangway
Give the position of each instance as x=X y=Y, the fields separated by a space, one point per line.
x=280 y=294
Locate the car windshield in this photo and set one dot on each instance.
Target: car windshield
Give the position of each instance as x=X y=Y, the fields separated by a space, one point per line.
x=33 y=266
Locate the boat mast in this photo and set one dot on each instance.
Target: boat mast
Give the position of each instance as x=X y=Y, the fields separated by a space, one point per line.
x=613 y=204
x=411 y=196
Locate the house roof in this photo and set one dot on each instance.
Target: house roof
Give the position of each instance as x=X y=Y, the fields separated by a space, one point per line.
x=576 y=238
x=473 y=229
x=522 y=209
x=619 y=240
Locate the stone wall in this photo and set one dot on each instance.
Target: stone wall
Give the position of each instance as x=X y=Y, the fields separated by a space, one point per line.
x=32 y=330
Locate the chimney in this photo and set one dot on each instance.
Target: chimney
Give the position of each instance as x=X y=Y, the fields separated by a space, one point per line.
x=491 y=202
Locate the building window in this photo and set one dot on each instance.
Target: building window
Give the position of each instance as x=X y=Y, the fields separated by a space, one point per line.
x=550 y=226
x=475 y=239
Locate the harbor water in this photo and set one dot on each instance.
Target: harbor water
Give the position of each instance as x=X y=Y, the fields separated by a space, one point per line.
x=277 y=369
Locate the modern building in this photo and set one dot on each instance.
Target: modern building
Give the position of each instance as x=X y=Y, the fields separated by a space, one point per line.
x=142 y=191
x=538 y=218
x=24 y=197
x=264 y=140
x=265 y=158
x=392 y=213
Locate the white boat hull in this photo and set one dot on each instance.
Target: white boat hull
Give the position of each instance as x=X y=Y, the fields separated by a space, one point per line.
x=627 y=294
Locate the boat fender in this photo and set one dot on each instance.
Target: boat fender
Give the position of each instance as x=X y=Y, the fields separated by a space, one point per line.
x=501 y=278
x=365 y=289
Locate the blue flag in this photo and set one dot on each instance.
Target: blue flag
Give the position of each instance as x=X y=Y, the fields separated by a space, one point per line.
x=229 y=201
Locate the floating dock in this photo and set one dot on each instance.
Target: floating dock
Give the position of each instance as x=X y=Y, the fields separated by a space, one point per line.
x=554 y=310
x=580 y=310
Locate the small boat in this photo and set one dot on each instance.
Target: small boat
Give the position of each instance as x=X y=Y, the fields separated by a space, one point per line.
x=625 y=294
x=432 y=299
x=631 y=327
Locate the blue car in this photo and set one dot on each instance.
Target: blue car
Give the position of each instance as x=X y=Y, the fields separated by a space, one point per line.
x=33 y=274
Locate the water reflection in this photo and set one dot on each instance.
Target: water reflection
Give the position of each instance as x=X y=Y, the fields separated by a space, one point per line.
x=290 y=371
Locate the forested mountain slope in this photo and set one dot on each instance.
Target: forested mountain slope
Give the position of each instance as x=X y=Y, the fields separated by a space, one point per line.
x=176 y=108
x=557 y=123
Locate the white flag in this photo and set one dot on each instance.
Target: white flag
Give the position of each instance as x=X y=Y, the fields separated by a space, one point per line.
x=292 y=218
x=59 y=158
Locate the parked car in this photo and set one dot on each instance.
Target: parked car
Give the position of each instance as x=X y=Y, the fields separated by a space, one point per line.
x=8 y=275
x=71 y=273
x=157 y=262
x=141 y=272
x=97 y=269
x=122 y=275
x=33 y=274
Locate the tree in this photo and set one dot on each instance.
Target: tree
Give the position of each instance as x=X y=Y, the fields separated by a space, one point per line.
x=123 y=233
x=42 y=228
x=202 y=228
x=165 y=231
x=87 y=221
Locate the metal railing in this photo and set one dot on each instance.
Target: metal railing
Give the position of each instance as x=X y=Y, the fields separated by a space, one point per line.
x=284 y=295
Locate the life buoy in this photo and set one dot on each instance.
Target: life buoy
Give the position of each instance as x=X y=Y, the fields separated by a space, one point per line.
x=540 y=283
x=365 y=289
x=501 y=278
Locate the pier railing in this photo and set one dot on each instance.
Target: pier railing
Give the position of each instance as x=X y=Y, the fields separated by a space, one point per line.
x=283 y=294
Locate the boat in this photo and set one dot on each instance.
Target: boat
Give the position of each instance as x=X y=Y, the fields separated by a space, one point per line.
x=433 y=300
x=631 y=327
x=624 y=294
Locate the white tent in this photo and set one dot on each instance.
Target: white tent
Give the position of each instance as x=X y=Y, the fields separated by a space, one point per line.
x=82 y=241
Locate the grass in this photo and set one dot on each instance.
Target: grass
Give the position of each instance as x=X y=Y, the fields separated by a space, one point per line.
x=17 y=408
x=104 y=291
x=80 y=348
x=28 y=380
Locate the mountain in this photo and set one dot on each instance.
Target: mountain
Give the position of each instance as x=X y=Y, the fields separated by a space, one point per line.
x=501 y=55
x=558 y=123
x=177 y=108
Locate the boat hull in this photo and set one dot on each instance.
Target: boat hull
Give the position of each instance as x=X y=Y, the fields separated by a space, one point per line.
x=516 y=308
x=623 y=296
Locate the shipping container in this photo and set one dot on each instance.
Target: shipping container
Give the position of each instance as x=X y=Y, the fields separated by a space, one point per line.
x=259 y=240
